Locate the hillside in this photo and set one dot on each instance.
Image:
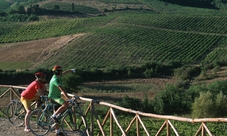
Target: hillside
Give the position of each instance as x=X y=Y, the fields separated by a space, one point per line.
x=122 y=33
x=34 y=52
x=112 y=34
x=24 y=51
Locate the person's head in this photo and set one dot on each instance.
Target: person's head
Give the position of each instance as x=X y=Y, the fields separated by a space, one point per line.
x=57 y=70
x=40 y=76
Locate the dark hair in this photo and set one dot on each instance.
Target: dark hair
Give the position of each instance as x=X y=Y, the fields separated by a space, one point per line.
x=57 y=72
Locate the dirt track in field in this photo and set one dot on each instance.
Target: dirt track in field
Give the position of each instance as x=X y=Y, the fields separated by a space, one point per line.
x=35 y=52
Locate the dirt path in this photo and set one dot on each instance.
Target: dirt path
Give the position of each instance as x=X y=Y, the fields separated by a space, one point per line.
x=6 y=129
x=36 y=51
x=53 y=48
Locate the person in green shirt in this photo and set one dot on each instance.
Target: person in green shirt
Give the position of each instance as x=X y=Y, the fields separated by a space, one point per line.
x=55 y=92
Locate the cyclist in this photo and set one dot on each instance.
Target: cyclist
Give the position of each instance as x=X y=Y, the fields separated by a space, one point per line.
x=32 y=93
x=55 y=91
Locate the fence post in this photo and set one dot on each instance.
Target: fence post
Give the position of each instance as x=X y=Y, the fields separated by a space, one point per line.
x=111 y=124
x=137 y=126
x=92 y=119
x=167 y=128
x=203 y=130
x=11 y=93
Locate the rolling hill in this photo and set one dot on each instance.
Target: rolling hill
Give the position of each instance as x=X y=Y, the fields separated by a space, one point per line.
x=122 y=33
x=112 y=34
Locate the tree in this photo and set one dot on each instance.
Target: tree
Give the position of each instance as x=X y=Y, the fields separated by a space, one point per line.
x=203 y=106
x=33 y=17
x=36 y=9
x=221 y=4
x=21 y=9
x=209 y=105
x=221 y=104
x=158 y=105
x=29 y=10
x=73 y=7
x=70 y=82
x=56 y=7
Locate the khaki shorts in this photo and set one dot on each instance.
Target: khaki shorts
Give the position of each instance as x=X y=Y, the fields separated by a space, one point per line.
x=27 y=102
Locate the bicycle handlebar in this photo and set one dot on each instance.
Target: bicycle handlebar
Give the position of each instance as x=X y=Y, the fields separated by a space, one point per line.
x=44 y=98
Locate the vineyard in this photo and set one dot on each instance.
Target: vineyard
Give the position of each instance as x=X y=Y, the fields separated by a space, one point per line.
x=108 y=34
x=129 y=39
x=155 y=31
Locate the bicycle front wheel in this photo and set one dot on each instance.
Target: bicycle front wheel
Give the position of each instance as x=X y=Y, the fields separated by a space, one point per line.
x=74 y=122
x=16 y=113
x=39 y=122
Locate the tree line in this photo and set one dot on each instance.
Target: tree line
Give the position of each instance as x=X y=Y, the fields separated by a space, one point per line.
x=177 y=98
x=22 y=12
x=213 y=4
x=198 y=100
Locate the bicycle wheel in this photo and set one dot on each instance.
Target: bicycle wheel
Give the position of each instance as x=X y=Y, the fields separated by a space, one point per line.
x=39 y=122
x=74 y=122
x=16 y=113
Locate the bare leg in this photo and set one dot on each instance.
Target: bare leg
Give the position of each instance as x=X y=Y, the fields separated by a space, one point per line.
x=28 y=112
x=64 y=106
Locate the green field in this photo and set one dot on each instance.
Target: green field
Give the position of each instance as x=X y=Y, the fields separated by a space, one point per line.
x=119 y=33
x=164 y=33
x=4 y=4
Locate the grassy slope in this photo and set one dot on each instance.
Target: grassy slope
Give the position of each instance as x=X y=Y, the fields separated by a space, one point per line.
x=140 y=38
x=124 y=37
x=156 y=34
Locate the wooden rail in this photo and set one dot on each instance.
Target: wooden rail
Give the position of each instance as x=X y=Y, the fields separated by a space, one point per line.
x=95 y=121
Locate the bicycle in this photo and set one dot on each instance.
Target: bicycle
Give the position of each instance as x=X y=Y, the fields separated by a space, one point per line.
x=16 y=112
x=71 y=120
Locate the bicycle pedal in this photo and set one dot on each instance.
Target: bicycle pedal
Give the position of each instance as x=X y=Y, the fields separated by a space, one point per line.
x=53 y=126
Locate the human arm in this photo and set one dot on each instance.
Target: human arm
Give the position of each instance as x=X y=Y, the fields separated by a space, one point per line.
x=45 y=91
x=69 y=71
x=42 y=92
x=63 y=92
x=41 y=89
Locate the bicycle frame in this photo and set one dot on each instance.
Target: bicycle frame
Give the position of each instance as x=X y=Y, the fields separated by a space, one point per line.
x=71 y=121
x=16 y=112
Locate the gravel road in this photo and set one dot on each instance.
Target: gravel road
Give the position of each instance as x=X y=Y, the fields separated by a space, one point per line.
x=6 y=129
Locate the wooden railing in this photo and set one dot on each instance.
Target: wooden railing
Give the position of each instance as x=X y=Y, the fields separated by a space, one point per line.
x=95 y=121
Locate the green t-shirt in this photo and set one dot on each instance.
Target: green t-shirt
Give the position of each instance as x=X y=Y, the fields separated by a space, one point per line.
x=54 y=91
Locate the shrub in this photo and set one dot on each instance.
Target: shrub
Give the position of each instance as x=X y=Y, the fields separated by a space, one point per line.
x=149 y=73
x=33 y=17
x=158 y=105
x=70 y=82
x=171 y=100
x=203 y=106
x=208 y=105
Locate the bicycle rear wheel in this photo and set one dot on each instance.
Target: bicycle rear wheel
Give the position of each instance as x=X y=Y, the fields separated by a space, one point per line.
x=74 y=123
x=39 y=122
x=16 y=113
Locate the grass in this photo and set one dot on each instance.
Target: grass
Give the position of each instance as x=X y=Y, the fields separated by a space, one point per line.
x=4 y=5
x=130 y=38
x=116 y=87
x=14 y=65
x=116 y=90
x=141 y=37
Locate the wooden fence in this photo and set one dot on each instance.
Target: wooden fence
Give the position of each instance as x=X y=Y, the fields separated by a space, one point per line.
x=95 y=122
